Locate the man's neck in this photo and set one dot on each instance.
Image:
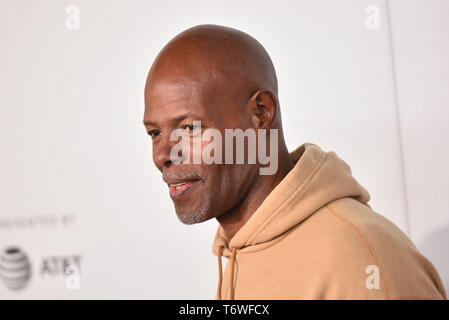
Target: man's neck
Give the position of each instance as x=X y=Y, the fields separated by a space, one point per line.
x=233 y=220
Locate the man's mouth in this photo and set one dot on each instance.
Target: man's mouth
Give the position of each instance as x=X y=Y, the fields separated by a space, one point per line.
x=178 y=189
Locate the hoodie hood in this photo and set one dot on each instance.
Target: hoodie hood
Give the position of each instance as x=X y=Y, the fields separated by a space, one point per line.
x=317 y=178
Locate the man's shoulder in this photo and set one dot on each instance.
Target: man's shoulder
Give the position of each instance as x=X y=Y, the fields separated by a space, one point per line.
x=349 y=236
x=366 y=225
x=360 y=242
x=351 y=227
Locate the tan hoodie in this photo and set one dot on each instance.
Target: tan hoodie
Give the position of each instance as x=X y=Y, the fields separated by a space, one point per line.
x=316 y=237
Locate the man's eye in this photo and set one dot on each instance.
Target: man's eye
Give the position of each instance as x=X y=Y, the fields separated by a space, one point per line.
x=194 y=129
x=153 y=133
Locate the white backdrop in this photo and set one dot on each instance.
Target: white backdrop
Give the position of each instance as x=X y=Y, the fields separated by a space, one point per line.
x=77 y=181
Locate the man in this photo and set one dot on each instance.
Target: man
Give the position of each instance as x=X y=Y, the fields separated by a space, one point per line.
x=304 y=231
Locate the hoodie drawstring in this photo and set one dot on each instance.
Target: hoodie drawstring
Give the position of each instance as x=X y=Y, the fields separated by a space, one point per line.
x=232 y=272
x=220 y=272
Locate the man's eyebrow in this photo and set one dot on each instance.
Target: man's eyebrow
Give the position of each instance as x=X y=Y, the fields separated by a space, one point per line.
x=176 y=119
x=184 y=116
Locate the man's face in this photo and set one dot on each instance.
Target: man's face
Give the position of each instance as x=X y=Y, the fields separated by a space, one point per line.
x=199 y=191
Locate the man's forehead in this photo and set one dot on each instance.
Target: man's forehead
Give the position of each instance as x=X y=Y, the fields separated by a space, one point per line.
x=167 y=94
x=169 y=99
x=194 y=87
x=197 y=89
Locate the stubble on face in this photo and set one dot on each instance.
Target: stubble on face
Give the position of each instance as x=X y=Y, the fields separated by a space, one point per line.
x=198 y=215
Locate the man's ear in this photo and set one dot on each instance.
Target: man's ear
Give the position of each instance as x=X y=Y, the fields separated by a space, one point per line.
x=263 y=106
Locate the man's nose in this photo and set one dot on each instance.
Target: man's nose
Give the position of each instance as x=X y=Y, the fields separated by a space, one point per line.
x=161 y=153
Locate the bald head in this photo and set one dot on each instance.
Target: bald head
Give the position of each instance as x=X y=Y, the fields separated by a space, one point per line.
x=216 y=53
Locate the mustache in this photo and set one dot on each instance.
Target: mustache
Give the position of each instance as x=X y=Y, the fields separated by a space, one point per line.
x=181 y=175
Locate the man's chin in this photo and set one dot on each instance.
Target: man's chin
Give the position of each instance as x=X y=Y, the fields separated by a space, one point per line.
x=193 y=217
